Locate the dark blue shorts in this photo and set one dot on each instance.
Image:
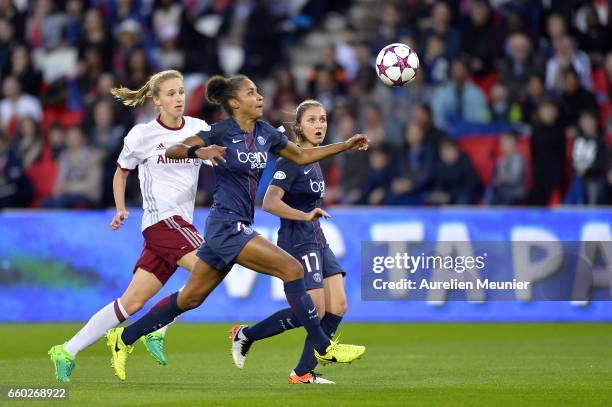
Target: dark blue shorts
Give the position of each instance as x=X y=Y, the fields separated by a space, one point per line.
x=318 y=264
x=223 y=241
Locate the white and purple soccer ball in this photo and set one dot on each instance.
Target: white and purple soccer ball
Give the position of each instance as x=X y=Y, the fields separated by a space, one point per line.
x=397 y=65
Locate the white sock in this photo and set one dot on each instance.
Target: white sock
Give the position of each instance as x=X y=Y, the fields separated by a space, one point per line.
x=164 y=328
x=108 y=317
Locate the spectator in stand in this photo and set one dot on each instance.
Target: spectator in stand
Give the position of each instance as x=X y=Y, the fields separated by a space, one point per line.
x=16 y=190
x=517 y=21
x=15 y=14
x=389 y=27
x=57 y=140
x=481 y=38
x=589 y=163
x=285 y=95
x=607 y=88
x=252 y=26
x=7 y=38
x=459 y=100
x=78 y=183
x=20 y=67
x=421 y=116
x=536 y=94
x=440 y=24
x=95 y=35
x=435 y=65
x=414 y=169
x=127 y=10
x=378 y=130
x=91 y=68
x=138 y=69
x=555 y=30
x=547 y=154
x=16 y=105
x=325 y=87
x=575 y=98
x=74 y=21
x=167 y=14
x=502 y=108
x=45 y=24
x=567 y=56
x=519 y=65
x=105 y=133
x=609 y=176
x=353 y=167
x=593 y=37
x=454 y=182
x=380 y=171
x=507 y=186
x=367 y=88
x=28 y=144
x=169 y=54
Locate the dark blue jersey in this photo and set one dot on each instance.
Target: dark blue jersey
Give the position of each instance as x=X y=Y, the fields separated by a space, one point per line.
x=304 y=190
x=246 y=156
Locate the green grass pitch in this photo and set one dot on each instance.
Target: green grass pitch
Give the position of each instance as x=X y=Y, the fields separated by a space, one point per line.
x=408 y=364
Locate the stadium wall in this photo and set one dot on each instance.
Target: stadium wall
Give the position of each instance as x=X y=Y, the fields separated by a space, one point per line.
x=65 y=265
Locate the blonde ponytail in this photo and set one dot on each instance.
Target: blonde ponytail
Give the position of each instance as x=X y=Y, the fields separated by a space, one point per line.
x=131 y=97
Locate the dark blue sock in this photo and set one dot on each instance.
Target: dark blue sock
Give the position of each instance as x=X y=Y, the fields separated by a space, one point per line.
x=308 y=362
x=330 y=323
x=304 y=309
x=275 y=324
x=160 y=315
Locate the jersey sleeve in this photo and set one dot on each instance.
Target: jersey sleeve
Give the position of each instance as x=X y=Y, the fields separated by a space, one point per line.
x=212 y=134
x=130 y=156
x=279 y=141
x=285 y=172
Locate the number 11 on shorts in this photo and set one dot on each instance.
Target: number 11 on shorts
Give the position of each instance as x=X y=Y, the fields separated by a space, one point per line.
x=307 y=261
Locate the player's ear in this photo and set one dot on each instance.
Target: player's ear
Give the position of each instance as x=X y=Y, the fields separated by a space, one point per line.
x=156 y=101
x=234 y=104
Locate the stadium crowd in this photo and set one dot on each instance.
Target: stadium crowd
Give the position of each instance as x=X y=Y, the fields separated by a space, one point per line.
x=511 y=105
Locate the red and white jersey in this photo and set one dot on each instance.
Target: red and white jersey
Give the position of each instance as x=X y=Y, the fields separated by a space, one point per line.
x=168 y=186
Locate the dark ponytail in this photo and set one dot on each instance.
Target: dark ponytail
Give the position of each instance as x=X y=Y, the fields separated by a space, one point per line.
x=220 y=90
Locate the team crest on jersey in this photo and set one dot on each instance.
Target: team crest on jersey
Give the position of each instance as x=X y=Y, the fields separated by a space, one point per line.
x=317 y=277
x=261 y=140
x=247 y=230
x=279 y=175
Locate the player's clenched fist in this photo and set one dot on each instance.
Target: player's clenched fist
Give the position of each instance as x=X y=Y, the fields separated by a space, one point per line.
x=118 y=219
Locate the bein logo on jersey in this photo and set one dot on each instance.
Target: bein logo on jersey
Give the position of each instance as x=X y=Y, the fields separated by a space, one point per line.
x=257 y=159
x=317 y=186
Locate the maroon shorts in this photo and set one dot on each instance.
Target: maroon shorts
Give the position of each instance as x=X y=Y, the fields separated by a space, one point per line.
x=164 y=244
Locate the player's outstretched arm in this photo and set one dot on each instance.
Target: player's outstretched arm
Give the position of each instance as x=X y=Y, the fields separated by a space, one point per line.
x=194 y=147
x=273 y=203
x=303 y=156
x=119 y=182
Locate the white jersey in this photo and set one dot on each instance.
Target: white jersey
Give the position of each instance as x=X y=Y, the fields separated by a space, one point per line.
x=168 y=186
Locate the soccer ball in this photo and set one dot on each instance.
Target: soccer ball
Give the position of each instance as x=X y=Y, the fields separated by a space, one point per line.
x=397 y=65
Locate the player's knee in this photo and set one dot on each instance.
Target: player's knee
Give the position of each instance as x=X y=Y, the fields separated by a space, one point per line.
x=132 y=306
x=191 y=299
x=293 y=270
x=338 y=307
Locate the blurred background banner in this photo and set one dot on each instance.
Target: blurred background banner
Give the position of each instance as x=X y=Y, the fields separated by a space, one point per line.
x=65 y=265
